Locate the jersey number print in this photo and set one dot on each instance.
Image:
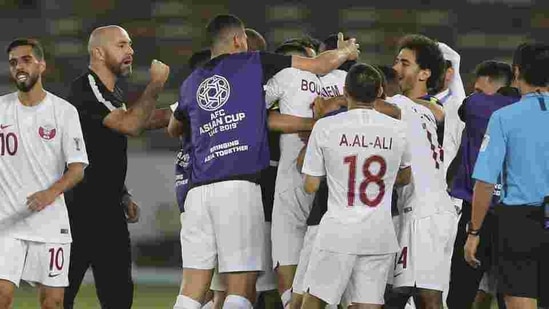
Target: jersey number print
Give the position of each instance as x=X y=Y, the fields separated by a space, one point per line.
x=368 y=178
x=8 y=144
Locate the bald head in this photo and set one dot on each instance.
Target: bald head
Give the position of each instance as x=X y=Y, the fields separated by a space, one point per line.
x=102 y=35
x=110 y=46
x=256 y=42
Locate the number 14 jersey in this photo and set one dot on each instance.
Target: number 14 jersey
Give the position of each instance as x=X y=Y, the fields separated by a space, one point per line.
x=360 y=152
x=36 y=144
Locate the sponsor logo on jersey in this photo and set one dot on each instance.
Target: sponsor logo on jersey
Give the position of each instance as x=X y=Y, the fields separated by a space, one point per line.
x=47 y=132
x=213 y=93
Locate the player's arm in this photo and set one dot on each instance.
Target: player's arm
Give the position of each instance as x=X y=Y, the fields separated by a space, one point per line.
x=328 y=60
x=160 y=118
x=178 y=123
x=288 y=123
x=134 y=120
x=404 y=176
x=388 y=109
x=436 y=109
x=488 y=167
x=75 y=156
x=313 y=163
x=322 y=106
x=456 y=85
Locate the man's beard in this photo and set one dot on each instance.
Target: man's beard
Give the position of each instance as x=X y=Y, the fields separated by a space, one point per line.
x=119 y=69
x=27 y=85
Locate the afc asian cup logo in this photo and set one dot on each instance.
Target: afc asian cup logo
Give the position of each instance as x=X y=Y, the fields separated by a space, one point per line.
x=213 y=93
x=47 y=132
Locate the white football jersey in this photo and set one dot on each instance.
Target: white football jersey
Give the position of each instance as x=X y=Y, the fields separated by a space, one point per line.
x=360 y=152
x=427 y=193
x=295 y=90
x=36 y=144
x=332 y=83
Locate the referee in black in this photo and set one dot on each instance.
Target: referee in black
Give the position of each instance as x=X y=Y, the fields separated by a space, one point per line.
x=516 y=147
x=98 y=220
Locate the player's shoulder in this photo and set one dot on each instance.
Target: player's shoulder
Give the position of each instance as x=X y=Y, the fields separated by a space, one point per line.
x=60 y=103
x=8 y=98
x=293 y=73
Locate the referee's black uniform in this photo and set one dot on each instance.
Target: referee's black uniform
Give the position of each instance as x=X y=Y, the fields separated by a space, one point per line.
x=98 y=222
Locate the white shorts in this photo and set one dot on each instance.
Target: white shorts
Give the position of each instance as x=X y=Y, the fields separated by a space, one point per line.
x=290 y=212
x=304 y=257
x=489 y=281
x=390 y=274
x=266 y=281
x=34 y=262
x=426 y=251
x=348 y=278
x=224 y=227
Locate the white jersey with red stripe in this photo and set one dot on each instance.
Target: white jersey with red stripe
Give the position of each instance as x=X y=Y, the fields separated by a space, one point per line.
x=426 y=194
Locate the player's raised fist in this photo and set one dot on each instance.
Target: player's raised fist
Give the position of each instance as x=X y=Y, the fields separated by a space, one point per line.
x=350 y=46
x=159 y=71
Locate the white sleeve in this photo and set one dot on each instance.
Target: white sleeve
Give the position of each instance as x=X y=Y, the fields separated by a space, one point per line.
x=406 y=159
x=173 y=106
x=456 y=85
x=313 y=163
x=273 y=89
x=74 y=148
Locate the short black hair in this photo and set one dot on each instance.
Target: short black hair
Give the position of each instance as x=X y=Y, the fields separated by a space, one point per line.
x=495 y=70
x=331 y=41
x=428 y=56
x=532 y=59
x=37 y=48
x=199 y=58
x=287 y=48
x=388 y=72
x=219 y=24
x=363 y=82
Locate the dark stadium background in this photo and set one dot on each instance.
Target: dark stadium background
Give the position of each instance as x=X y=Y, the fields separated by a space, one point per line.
x=171 y=30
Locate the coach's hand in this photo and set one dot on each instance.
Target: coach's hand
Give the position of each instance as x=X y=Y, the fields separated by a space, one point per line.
x=159 y=72
x=41 y=199
x=470 y=250
x=132 y=212
x=349 y=46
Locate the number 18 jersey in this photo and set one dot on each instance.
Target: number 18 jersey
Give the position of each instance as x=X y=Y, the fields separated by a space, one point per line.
x=360 y=152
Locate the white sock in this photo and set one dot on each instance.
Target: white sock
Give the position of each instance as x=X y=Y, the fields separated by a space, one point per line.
x=286 y=298
x=208 y=305
x=236 y=302
x=184 y=302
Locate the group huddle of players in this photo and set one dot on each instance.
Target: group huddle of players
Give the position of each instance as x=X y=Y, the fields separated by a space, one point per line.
x=382 y=138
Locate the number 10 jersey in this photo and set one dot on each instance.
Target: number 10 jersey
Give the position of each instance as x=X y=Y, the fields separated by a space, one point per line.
x=360 y=152
x=36 y=144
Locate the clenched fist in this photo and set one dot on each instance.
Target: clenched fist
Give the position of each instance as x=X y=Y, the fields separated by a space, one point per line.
x=159 y=72
x=349 y=46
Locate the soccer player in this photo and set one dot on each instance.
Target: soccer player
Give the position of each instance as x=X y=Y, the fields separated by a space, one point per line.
x=43 y=154
x=294 y=90
x=223 y=102
x=360 y=152
x=428 y=218
x=515 y=150
x=106 y=123
x=475 y=112
x=391 y=80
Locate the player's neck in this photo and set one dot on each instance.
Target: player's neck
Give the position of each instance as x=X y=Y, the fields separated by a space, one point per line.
x=32 y=97
x=360 y=105
x=417 y=92
x=221 y=50
x=525 y=89
x=107 y=77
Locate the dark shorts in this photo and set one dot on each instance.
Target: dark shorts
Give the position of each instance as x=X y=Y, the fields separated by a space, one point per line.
x=267 y=183
x=320 y=204
x=522 y=257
